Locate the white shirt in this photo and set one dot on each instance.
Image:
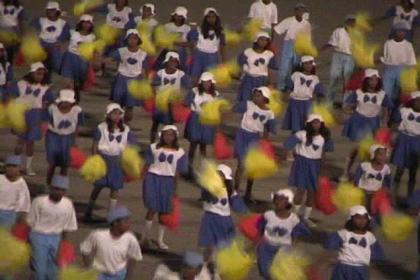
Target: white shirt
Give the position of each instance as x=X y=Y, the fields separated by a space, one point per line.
x=372 y=179
x=402 y=16
x=265 y=13
x=166 y=79
x=164 y=273
x=14 y=195
x=410 y=122
x=279 y=231
x=208 y=45
x=257 y=64
x=76 y=39
x=111 y=255
x=312 y=151
x=112 y=144
x=341 y=41
x=303 y=86
x=49 y=217
x=118 y=19
x=31 y=94
x=152 y=22
x=9 y=15
x=3 y=73
x=291 y=27
x=131 y=63
x=181 y=30
x=51 y=30
x=200 y=99
x=352 y=253
x=219 y=206
x=164 y=160
x=399 y=53
x=63 y=124
x=254 y=119
x=369 y=104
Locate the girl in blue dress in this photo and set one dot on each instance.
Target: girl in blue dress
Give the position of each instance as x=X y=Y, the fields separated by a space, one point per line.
x=12 y=19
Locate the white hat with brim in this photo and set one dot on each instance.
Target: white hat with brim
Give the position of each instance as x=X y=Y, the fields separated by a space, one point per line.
x=313 y=117
x=209 y=10
x=170 y=55
x=261 y=34
x=207 y=76
x=88 y=18
x=169 y=127
x=37 y=65
x=358 y=210
x=265 y=91
x=307 y=58
x=148 y=5
x=371 y=73
x=284 y=192
x=52 y=5
x=226 y=170
x=66 y=95
x=373 y=149
x=132 y=32
x=113 y=106
x=180 y=11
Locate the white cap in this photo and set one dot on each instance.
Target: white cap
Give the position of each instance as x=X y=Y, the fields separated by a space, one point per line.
x=132 y=31
x=307 y=58
x=170 y=55
x=226 y=170
x=286 y=193
x=169 y=127
x=373 y=148
x=261 y=34
x=66 y=95
x=37 y=65
x=357 y=210
x=180 y=11
x=148 y=5
x=113 y=106
x=265 y=91
x=1 y=45
x=210 y=9
x=313 y=117
x=207 y=76
x=86 y=17
x=52 y=5
x=371 y=72
x=401 y=25
x=415 y=94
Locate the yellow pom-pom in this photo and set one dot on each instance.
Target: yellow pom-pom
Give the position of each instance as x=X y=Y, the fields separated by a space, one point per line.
x=210 y=179
x=362 y=22
x=304 y=45
x=223 y=73
x=258 y=165
x=364 y=145
x=397 y=227
x=165 y=96
x=251 y=28
x=165 y=39
x=131 y=162
x=32 y=50
x=363 y=52
x=232 y=37
x=16 y=116
x=275 y=103
x=14 y=254
x=233 y=262
x=347 y=196
x=72 y=272
x=408 y=80
x=108 y=33
x=81 y=8
x=141 y=90
x=289 y=265
x=4 y=122
x=87 y=50
x=324 y=110
x=99 y=46
x=9 y=38
x=148 y=46
x=93 y=169
x=211 y=111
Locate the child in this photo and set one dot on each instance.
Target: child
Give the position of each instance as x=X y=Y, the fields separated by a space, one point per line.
x=266 y=12
x=111 y=138
x=257 y=121
x=165 y=160
x=6 y=73
x=208 y=42
x=356 y=246
x=372 y=175
x=53 y=32
x=15 y=201
x=34 y=91
x=406 y=152
x=12 y=17
x=367 y=104
x=147 y=16
x=197 y=133
x=406 y=13
x=304 y=87
x=258 y=64
x=73 y=66
x=51 y=217
x=290 y=27
x=309 y=147
x=132 y=64
x=64 y=118
x=118 y=14
x=113 y=251
x=279 y=229
x=168 y=76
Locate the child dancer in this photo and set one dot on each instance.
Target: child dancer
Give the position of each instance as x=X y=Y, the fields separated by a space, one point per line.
x=356 y=246
x=111 y=138
x=6 y=73
x=257 y=121
x=33 y=90
x=304 y=87
x=208 y=42
x=404 y=12
x=118 y=14
x=309 y=147
x=280 y=228
x=165 y=160
x=147 y=16
x=266 y=12
x=258 y=64
x=64 y=118
x=12 y=18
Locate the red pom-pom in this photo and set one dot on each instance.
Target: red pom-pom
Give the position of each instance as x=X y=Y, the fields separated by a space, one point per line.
x=267 y=148
x=355 y=81
x=383 y=136
x=90 y=79
x=180 y=113
x=19 y=59
x=222 y=149
x=323 y=197
x=249 y=227
x=66 y=254
x=312 y=273
x=44 y=128
x=405 y=99
x=78 y=157
x=172 y=220
x=381 y=203
x=149 y=105
x=21 y=231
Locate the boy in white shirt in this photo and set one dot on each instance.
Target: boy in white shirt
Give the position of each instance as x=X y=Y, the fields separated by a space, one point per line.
x=290 y=27
x=15 y=200
x=266 y=12
x=50 y=218
x=112 y=251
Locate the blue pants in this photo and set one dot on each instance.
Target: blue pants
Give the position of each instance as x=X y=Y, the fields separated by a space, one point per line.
x=53 y=61
x=391 y=80
x=288 y=60
x=7 y=218
x=120 y=275
x=44 y=254
x=342 y=66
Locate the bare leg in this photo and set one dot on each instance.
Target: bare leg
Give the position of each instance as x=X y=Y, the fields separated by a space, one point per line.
x=19 y=146
x=50 y=173
x=93 y=197
x=248 y=193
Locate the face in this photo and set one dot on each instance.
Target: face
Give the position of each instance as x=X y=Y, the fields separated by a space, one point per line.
x=405 y=3
x=146 y=12
x=307 y=66
x=350 y=23
x=360 y=221
x=120 y=3
x=381 y=156
x=52 y=14
x=259 y=98
x=123 y=225
x=133 y=40
x=189 y=273
x=262 y=42
x=316 y=125
x=86 y=25
x=373 y=81
x=179 y=20
x=39 y=75
x=207 y=85
x=12 y=172
x=168 y=137
x=299 y=12
x=400 y=35
x=172 y=63
x=56 y=194
x=280 y=202
x=65 y=106
x=211 y=18
x=115 y=116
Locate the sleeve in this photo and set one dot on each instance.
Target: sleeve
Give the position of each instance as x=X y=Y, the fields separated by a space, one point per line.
x=131 y=22
x=376 y=252
x=97 y=134
x=12 y=90
x=182 y=164
x=157 y=80
x=48 y=97
x=328 y=146
x=319 y=90
x=115 y=55
x=281 y=28
x=9 y=74
x=261 y=224
x=237 y=204
x=24 y=199
x=22 y=16
x=301 y=230
x=391 y=12
x=88 y=245
x=134 y=251
x=416 y=21
x=189 y=98
x=242 y=59
x=148 y=156
x=270 y=126
x=131 y=138
x=65 y=33
x=359 y=173
x=396 y=117
x=192 y=36
x=351 y=98
x=334 y=38
x=186 y=82
x=386 y=102
x=387 y=181
x=291 y=142
x=333 y=242
x=272 y=63
x=222 y=39
x=274 y=14
x=71 y=224
x=251 y=13
x=80 y=118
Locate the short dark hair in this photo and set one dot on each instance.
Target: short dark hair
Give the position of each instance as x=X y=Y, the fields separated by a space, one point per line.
x=365 y=82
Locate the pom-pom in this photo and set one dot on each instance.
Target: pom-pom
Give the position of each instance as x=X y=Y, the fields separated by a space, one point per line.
x=19 y=59
x=21 y=231
x=233 y=262
x=32 y=50
x=165 y=97
x=275 y=104
x=141 y=90
x=211 y=111
x=4 y=122
x=289 y=265
x=258 y=165
x=408 y=80
x=364 y=145
x=362 y=22
x=172 y=220
x=380 y=203
x=325 y=111
x=304 y=45
x=165 y=39
x=210 y=179
x=149 y=105
x=14 y=254
x=324 y=195
x=147 y=45
x=232 y=38
x=363 y=52
x=383 y=137
x=81 y=8
x=223 y=73
x=180 y=112
x=108 y=33
x=93 y=169
x=72 y=272
x=90 y=79
x=222 y=148
x=356 y=81
x=397 y=227
x=131 y=162
x=267 y=148
x=251 y=28
x=9 y=38
x=66 y=254
x=249 y=227
x=347 y=196
x=78 y=158
x=88 y=50
x=16 y=116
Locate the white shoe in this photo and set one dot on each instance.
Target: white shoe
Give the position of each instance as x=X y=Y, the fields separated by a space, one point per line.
x=30 y=172
x=309 y=223
x=162 y=246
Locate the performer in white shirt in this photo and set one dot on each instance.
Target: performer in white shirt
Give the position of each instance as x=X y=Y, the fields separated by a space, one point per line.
x=266 y=12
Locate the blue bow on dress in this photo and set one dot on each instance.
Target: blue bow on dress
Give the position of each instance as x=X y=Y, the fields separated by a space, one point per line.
x=377 y=177
x=118 y=138
x=372 y=99
x=51 y=28
x=167 y=81
x=10 y=11
x=33 y=92
x=163 y=157
x=411 y=117
x=132 y=61
x=116 y=19
x=259 y=61
x=64 y=124
x=255 y=116
x=303 y=81
x=362 y=243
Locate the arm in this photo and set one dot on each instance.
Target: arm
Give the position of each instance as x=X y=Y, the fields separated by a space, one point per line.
x=300 y=230
x=386 y=105
x=130 y=267
x=96 y=138
x=359 y=173
x=272 y=69
x=333 y=242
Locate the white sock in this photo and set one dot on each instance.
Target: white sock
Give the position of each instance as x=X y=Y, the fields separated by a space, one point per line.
x=28 y=162
x=147 y=228
x=307 y=212
x=112 y=203
x=296 y=208
x=161 y=233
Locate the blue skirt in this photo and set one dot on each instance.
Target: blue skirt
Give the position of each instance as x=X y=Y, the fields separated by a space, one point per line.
x=119 y=275
x=304 y=173
x=202 y=61
x=406 y=151
x=162 y=117
x=158 y=192
x=243 y=141
x=248 y=84
x=120 y=94
x=265 y=255
x=33 y=118
x=196 y=132
x=215 y=230
x=350 y=272
x=358 y=126
x=7 y=218
x=296 y=114
x=74 y=67
x=58 y=148
x=114 y=177
x=54 y=56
